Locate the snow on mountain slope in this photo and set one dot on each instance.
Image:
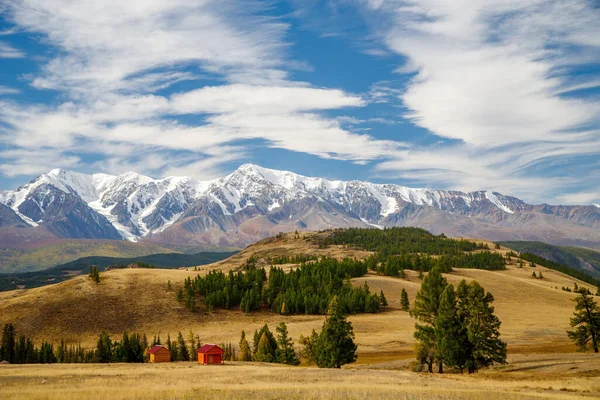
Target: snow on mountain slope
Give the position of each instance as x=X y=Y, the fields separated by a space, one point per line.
x=138 y=206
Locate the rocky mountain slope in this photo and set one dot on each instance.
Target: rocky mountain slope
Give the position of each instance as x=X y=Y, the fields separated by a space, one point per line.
x=254 y=202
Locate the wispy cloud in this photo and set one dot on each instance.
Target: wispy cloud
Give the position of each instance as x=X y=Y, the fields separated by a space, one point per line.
x=489 y=75
x=115 y=57
x=7 y=51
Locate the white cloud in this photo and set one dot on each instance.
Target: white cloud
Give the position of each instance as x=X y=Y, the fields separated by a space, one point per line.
x=488 y=75
x=114 y=58
x=7 y=51
x=4 y=90
x=107 y=43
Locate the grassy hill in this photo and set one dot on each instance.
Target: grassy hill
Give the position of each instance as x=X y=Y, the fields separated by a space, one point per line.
x=82 y=266
x=25 y=259
x=16 y=260
x=535 y=313
x=585 y=260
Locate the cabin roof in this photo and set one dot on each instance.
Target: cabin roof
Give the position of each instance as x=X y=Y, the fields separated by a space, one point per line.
x=207 y=348
x=156 y=348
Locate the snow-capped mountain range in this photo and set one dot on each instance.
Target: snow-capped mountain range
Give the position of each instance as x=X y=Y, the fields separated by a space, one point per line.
x=255 y=202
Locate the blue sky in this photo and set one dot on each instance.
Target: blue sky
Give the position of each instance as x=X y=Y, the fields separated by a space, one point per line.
x=455 y=94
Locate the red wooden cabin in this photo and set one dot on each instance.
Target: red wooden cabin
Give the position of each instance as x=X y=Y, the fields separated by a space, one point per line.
x=211 y=354
x=159 y=354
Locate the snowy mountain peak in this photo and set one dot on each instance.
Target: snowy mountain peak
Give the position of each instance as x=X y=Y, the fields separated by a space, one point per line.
x=138 y=206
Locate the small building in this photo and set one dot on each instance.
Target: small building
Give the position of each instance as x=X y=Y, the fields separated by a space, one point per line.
x=211 y=354
x=159 y=354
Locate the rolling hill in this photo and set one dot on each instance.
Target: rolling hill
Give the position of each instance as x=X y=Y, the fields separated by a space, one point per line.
x=579 y=258
x=82 y=266
x=535 y=313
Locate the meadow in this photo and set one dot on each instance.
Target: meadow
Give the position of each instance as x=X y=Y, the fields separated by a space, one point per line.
x=564 y=376
x=534 y=313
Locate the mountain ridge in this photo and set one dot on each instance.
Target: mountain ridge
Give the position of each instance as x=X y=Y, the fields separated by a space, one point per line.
x=255 y=202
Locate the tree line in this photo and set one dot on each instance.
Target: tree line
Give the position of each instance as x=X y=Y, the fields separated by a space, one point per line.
x=398 y=240
x=395 y=265
x=307 y=289
x=132 y=348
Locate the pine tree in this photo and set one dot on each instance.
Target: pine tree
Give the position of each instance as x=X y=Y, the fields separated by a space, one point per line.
x=335 y=345
x=483 y=327
x=245 y=354
x=309 y=347
x=8 y=343
x=263 y=351
x=182 y=350
x=270 y=338
x=94 y=274
x=104 y=348
x=382 y=299
x=404 y=303
x=533 y=275
x=586 y=321
x=451 y=335
x=285 y=347
x=425 y=309
x=193 y=347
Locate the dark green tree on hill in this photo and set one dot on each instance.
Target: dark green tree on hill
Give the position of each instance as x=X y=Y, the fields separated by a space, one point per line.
x=425 y=309
x=335 y=345
x=404 y=303
x=482 y=325
x=382 y=299
x=94 y=274
x=586 y=321
x=8 y=348
x=285 y=347
x=104 y=348
x=450 y=332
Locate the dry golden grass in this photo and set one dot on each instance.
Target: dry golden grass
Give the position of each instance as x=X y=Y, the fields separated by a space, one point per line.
x=535 y=315
x=531 y=377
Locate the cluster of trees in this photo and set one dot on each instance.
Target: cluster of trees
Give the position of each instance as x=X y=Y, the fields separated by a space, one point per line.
x=394 y=265
x=132 y=348
x=268 y=348
x=307 y=289
x=94 y=274
x=295 y=259
x=399 y=240
x=22 y=350
x=456 y=328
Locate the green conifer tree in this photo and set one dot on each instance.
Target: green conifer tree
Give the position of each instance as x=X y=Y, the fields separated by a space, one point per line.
x=425 y=309
x=263 y=351
x=586 y=321
x=285 y=347
x=404 y=303
x=451 y=335
x=482 y=325
x=382 y=299
x=245 y=353
x=335 y=345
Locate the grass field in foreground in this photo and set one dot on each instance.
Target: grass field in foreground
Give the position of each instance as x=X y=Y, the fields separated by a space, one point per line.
x=557 y=376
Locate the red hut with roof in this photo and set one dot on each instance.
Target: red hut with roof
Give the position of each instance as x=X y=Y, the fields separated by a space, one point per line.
x=159 y=354
x=211 y=354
